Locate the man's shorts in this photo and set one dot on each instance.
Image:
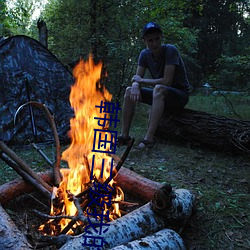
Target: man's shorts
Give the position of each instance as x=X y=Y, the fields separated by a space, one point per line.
x=175 y=99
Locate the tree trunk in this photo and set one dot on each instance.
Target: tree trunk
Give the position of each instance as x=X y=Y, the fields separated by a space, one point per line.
x=43 y=32
x=212 y=131
x=10 y=237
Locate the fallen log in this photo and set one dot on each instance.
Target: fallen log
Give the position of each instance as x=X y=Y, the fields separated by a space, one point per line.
x=10 y=237
x=148 y=219
x=212 y=131
x=161 y=240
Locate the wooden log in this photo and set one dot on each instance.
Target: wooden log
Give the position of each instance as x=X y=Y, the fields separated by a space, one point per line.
x=131 y=182
x=161 y=240
x=26 y=176
x=10 y=237
x=175 y=206
x=150 y=218
x=18 y=187
x=212 y=131
x=140 y=187
x=139 y=223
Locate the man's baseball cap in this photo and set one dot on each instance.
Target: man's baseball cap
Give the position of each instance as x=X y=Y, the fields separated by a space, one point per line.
x=149 y=27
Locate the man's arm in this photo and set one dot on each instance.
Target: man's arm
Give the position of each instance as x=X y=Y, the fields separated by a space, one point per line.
x=166 y=80
x=135 y=93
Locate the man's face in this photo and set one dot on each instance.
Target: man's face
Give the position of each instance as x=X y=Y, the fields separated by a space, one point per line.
x=153 y=40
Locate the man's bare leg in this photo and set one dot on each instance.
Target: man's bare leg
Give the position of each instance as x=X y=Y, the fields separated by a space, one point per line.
x=127 y=114
x=156 y=113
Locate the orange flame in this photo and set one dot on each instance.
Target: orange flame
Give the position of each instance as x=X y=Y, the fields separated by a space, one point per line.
x=85 y=95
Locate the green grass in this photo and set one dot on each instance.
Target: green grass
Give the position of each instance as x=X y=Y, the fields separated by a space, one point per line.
x=220 y=181
x=233 y=106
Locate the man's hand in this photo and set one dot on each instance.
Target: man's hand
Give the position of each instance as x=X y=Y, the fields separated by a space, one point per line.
x=136 y=78
x=135 y=93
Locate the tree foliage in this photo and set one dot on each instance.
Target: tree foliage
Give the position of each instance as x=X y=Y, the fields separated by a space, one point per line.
x=223 y=33
x=212 y=35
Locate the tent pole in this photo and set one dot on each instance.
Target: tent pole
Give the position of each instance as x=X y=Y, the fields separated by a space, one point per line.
x=33 y=125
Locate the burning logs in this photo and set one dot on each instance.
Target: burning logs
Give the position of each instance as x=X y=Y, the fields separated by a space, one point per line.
x=10 y=237
x=216 y=132
x=150 y=218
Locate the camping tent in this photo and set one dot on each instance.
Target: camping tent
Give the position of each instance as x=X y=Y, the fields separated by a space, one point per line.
x=30 y=72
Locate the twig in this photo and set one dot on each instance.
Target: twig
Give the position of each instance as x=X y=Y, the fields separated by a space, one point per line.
x=52 y=217
x=24 y=166
x=38 y=201
x=42 y=154
x=126 y=203
x=114 y=172
x=120 y=163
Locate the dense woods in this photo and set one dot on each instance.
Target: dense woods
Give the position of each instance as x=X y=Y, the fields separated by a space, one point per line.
x=213 y=36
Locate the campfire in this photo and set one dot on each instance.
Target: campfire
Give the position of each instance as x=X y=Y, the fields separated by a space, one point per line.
x=87 y=199
x=89 y=169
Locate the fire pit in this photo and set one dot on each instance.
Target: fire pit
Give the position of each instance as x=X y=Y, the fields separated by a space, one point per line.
x=85 y=197
x=159 y=210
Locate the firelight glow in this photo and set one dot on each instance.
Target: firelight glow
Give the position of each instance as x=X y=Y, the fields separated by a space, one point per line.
x=86 y=94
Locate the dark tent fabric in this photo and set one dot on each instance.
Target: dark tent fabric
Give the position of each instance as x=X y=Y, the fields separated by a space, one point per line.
x=29 y=71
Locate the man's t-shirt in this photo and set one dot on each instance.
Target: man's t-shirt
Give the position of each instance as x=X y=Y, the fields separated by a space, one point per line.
x=171 y=56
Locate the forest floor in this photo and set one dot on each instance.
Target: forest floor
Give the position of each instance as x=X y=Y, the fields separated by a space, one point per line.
x=219 y=180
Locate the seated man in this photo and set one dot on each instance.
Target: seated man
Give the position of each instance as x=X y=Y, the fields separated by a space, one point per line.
x=168 y=89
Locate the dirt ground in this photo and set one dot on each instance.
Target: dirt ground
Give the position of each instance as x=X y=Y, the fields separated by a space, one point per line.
x=220 y=182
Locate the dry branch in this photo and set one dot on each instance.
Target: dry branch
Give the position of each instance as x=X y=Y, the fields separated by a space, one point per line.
x=23 y=165
x=25 y=176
